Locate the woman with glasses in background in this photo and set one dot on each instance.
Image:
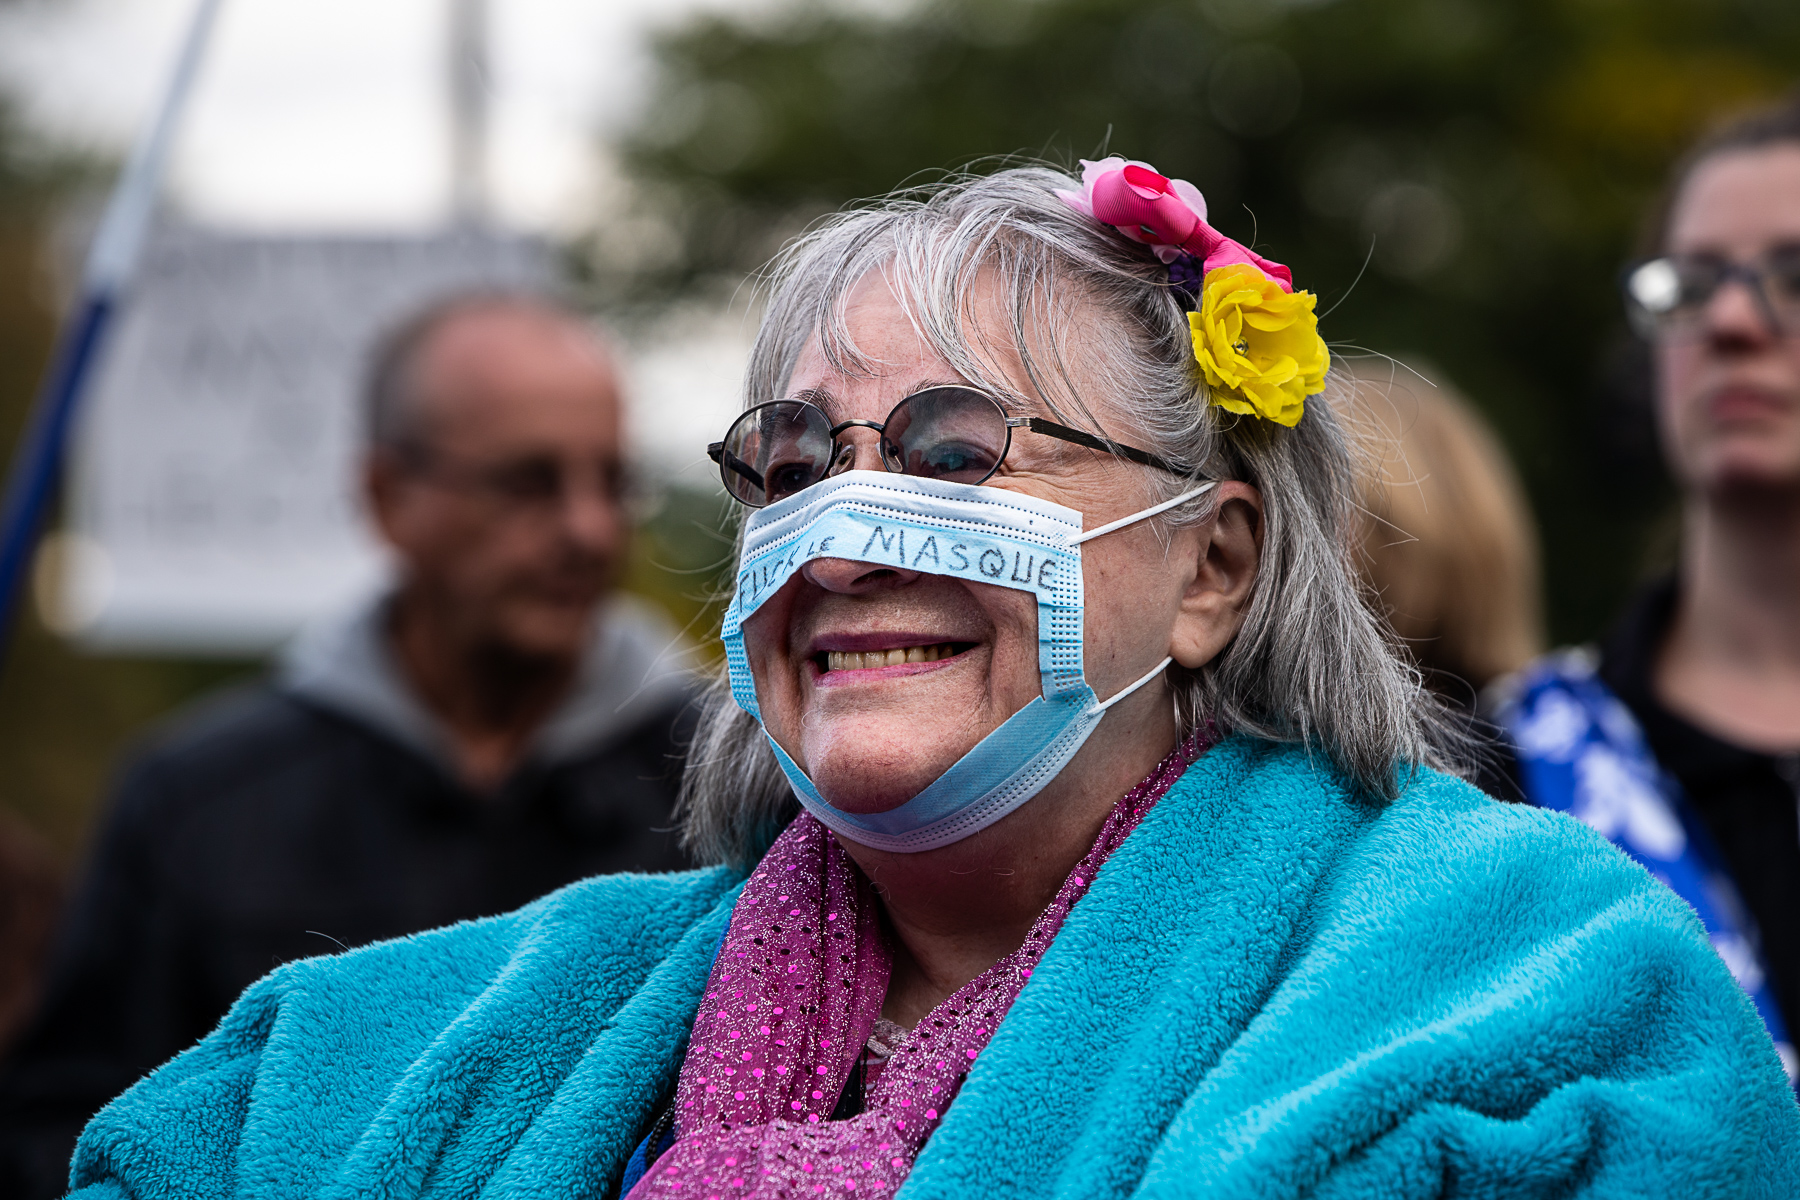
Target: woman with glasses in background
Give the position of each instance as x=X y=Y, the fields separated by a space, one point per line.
x=1697 y=775
x=1077 y=825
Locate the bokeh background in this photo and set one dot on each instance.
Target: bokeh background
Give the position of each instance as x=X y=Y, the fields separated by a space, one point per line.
x=1459 y=180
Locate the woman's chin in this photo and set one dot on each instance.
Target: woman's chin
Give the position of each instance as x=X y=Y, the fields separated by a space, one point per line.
x=873 y=762
x=872 y=787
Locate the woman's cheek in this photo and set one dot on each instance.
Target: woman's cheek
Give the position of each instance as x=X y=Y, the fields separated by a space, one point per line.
x=772 y=667
x=1128 y=617
x=1013 y=676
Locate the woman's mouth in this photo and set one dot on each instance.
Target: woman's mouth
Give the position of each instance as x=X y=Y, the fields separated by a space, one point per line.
x=895 y=656
x=1746 y=403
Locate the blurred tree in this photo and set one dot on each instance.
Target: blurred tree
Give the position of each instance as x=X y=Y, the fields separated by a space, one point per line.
x=1459 y=180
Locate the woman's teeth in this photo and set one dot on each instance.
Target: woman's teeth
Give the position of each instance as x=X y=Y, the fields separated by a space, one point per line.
x=853 y=660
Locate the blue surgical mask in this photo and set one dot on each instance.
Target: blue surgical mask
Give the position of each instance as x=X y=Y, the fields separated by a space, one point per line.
x=965 y=531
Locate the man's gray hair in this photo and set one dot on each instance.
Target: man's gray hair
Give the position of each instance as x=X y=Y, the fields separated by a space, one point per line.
x=1086 y=310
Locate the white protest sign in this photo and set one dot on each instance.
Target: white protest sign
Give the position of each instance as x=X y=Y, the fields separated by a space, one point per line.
x=213 y=493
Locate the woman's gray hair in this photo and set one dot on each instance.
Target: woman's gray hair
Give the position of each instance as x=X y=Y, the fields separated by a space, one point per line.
x=1087 y=310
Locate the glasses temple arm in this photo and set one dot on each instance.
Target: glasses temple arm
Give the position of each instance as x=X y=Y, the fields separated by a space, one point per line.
x=1756 y=279
x=731 y=462
x=1081 y=438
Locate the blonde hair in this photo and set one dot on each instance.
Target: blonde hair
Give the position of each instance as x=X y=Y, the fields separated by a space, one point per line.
x=1449 y=547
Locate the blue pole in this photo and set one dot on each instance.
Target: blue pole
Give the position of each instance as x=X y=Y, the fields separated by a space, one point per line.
x=37 y=463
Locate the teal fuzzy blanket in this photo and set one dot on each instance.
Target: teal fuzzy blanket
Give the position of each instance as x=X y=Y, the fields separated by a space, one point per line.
x=1273 y=989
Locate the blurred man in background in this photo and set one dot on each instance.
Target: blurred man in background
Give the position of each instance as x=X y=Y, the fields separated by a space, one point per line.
x=496 y=726
x=1702 y=778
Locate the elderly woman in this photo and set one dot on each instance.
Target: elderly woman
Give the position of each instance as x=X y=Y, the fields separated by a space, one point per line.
x=1079 y=831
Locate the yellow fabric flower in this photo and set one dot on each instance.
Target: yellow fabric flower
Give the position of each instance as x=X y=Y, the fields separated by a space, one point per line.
x=1258 y=346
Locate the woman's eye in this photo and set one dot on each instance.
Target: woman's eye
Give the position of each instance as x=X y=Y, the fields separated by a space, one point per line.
x=1784 y=274
x=784 y=479
x=956 y=458
x=1700 y=277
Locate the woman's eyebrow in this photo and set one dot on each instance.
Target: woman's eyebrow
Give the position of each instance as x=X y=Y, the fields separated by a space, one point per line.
x=819 y=396
x=825 y=399
x=1011 y=404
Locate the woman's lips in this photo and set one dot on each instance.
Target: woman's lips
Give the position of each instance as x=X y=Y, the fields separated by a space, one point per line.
x=853 y=660
x=1744 y=403
x=832 y=667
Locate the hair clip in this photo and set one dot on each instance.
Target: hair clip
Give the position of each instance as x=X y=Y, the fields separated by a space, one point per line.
x=1255 y=338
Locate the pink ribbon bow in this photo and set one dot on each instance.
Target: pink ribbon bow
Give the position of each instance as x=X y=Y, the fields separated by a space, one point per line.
x=1168 y=215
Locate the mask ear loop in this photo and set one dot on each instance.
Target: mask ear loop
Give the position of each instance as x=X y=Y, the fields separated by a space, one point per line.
x=1152 y=673
x=1122 y=522
x=1134 y=518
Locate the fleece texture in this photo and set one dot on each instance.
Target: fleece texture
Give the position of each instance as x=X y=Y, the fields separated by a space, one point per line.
x=1273 y=989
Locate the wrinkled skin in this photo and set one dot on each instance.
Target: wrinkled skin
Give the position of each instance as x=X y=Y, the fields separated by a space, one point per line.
x=870 y=739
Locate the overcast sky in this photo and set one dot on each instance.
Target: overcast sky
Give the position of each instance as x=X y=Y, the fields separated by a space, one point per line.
x=331 y=113
x=323 y=115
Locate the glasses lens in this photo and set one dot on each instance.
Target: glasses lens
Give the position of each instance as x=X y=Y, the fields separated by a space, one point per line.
x=1655 y=286
x=1782 y=269
x=774 y=450
x=952 y=433
x=1668 y=294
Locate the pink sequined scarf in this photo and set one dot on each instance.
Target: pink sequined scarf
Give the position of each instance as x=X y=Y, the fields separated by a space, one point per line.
x=791 y=1002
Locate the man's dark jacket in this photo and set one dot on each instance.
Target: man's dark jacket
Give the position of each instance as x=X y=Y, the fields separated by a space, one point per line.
x=310 y=813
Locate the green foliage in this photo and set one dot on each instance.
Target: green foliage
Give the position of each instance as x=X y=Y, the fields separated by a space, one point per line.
x=681 y=558
x=1461 y=179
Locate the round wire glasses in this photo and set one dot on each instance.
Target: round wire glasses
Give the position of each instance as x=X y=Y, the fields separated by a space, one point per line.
x=957 y=433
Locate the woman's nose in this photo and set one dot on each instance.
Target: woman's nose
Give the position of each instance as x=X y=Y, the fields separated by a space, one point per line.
x=858 y=450
x=849 y=578
x=1737 y=317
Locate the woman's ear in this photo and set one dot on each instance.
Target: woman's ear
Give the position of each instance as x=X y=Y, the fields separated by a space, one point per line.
x=1227 y=553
